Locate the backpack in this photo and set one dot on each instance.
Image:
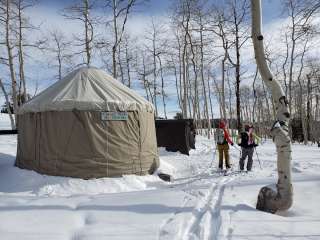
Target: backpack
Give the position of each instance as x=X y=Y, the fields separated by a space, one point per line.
x=219 y=136
x=245 y=140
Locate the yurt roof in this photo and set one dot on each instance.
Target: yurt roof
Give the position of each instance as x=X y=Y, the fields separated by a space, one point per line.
x=86 y=89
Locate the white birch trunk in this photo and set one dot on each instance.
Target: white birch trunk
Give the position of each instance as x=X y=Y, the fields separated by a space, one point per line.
x=270 y=200
x=12 y=120
x=114 y=47
x=88 y=32
x=21 y=56
x=10 y=58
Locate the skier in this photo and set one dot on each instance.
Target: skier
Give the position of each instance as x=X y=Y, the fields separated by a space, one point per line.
x=247 y=145
x=222 y=139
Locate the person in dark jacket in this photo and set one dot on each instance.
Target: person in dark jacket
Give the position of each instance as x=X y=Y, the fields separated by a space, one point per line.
x=247 y=145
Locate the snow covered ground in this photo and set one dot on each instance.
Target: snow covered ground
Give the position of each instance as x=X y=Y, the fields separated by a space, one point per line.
x=198 y=204
x=4 y=121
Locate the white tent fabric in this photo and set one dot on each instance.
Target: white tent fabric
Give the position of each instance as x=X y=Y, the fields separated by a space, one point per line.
x=87 y=88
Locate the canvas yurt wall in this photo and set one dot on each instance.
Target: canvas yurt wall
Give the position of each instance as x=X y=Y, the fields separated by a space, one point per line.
x=87 y=125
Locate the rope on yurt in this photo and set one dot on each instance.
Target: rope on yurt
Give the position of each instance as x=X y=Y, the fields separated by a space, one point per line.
x=106 y=151
x=35 y=138
x=39 y=147
x=140 y=142
x=69 y=138
x=133 y=161
x=57 y=152
x=84 y=125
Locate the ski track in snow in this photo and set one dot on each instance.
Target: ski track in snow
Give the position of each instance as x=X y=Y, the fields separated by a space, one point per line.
x=205 y=221
x=206 y=189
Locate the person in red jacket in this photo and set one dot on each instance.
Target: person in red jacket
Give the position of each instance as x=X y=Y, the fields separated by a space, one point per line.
x=223 y=139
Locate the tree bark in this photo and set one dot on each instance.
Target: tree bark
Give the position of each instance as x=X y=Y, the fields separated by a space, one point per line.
x=177 y=82
x=119 y=9
x=154 y=55
x=128 y=65
x=24 y=95
x=10 y=59
x=309 y=107
x=162 y=87
x=120 y=65
x=88 y=32
x=209 y=94
x=271 y=200
x=223 y=101
x=12 y=121
x=185 y=79
x=206 y=109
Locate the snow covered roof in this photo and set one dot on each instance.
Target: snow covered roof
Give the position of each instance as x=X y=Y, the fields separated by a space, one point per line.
x=87 y=88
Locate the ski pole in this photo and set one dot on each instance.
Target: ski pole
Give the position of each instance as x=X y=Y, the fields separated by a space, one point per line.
x=236 y=148
x=258 y=157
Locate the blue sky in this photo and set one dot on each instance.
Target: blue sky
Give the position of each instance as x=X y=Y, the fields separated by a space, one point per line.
x=271 y=8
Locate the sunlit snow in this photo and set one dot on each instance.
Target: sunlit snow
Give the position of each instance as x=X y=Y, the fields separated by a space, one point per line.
x=199 y=204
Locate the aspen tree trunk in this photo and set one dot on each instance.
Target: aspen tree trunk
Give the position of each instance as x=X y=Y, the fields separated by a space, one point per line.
x=209 y=95
x=316 y=111
x=190 y=98
x=284 y=65
x=292 y=58
x=12 y=122
x=145 y=81
x=203 y=81
x=238 y=13
x=59 y=57
x=230 y=103
x=154 y=55
x=21 y=56
x=177 y=81
x=184 y=80
x=60 y=49
x=271 y=200
x=114 y=47
x=223 y=101
x=237 y=68
x=180 y=76
x=218 y=94
x=120 y=64
x=162 y=88
x=10 y=59
x=87 y=37
x=185 y=75
x=59 y=66
x=254 y=96
x=195 y=77
x=128 y=65
x=309 y=107
x=120 y=12
x=270 y=116
x=301 y=103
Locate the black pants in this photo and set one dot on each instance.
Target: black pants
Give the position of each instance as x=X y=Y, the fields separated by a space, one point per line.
x=246 y=152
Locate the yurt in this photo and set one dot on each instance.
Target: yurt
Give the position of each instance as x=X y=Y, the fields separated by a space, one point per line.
x=87 y=125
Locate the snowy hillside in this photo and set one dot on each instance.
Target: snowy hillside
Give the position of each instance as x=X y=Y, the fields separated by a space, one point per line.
x=198 y=204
